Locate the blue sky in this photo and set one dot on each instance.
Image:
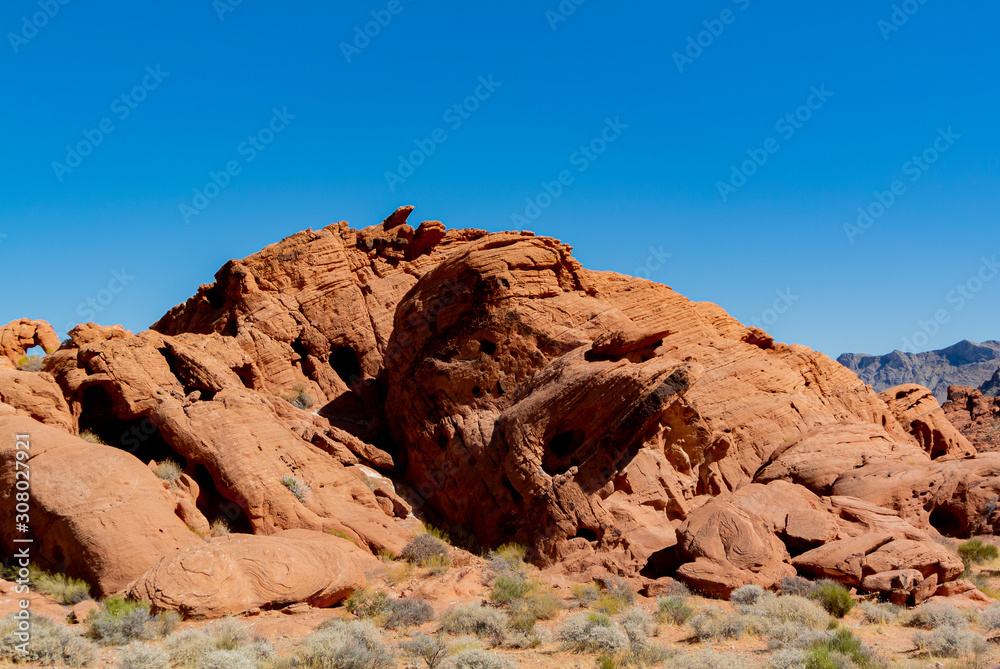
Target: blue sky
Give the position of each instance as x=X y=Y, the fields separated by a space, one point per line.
x=650 y=131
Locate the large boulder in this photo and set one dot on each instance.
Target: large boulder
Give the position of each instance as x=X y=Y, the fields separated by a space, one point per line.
x=96 y=512
x=236 y=573
x=729 y=547
x=36 y=395
x=916 y=408
x=17 y=337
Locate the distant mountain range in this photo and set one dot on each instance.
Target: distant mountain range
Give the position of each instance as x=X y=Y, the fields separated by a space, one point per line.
x=964 y=364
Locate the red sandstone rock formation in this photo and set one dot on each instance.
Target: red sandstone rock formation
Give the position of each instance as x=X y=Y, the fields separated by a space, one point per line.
x=18 y=336
x=975 y=415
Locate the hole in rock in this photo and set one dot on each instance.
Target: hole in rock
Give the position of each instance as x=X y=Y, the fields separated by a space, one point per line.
x=245 y=372
x=345 y=362
x=562 y=452
x=586 y=533
x=488 y=347
x=214 y=505
x=946 y=522
x=663 y=562
x=215 y=298
x=477 y=391
x=300 y=350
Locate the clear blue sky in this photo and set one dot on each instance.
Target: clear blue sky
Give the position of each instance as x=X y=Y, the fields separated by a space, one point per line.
x=65 y=230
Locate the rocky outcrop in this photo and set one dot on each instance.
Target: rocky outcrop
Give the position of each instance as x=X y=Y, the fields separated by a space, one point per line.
x=200 y=400
x=237 y=573
x=963 y=364
x=975 y=415
x=991 y=388
x=35 y=395
x=17 y=337
x=919 y=412
x=96 y=512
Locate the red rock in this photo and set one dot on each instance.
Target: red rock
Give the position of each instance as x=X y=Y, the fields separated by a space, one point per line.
x=81 y=610
x=956 y=587
x=916 y=408
x=237 y=573
x=97 y=512
x=927 y=557
x=17 y=337
x=897 y=585
x=36 y=395
x=975 y=416
x=842 y=560
x=40 y=605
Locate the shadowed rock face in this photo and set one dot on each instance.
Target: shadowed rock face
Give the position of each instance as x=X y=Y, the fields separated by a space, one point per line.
x=607 y=422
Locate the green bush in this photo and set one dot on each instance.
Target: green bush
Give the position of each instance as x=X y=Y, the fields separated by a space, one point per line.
x=835 y=598
x=50 y=644
x=507 y=559
x=829 y=653
x=344 y=644
x=975 y=552
x=65 y=590
x=509 y=587
x=30 y=363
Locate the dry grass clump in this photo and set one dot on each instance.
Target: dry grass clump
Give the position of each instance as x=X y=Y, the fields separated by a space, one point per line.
x=430 y=649
x=49 y=644
x=427 y=550
x=120 y=621
x=937 y=614
x=476 y=658
x=65 y=590
x=298 y=488
x=138 y=655
x=485 y=623
x=407 y=612
x=344 y=644
x=747 y=594
x=168 y=470
x=91 y=438
x=950 y=641
x=299 y=396
x=874 y=613
x=192 y=648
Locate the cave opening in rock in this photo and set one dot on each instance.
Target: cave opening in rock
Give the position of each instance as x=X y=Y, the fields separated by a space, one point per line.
x=213 y=504
x=346 y=363
x=947 y=522
x=139 y=436
x=563 y=451
x=586 y=533
x=663 y=562
x=488 y=347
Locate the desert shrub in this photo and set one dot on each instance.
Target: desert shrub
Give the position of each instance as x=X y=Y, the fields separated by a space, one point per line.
x=430 y=649
x=299 y=396
x=168 y=470
x=475 y=619
x=91 y=438
x=713 y=624
x=475 y=658
x=796 y=585
x=399 y=573
x=975 y=552
x=637 y=624
x=989 y=618
x=707 y=659
x=585 y=594
x=788 y=658
x=937 y=614
x=219 y=527
x=30 y=363
x=190 y=647
x=879 y=614
x=982 y=582
x=507 y=559
x=835 y=598
x=672 y=611
x=437 y=564
x=406 y=612
x=119 y=621
x=298 y=488
x=592 y=633
x=344 y=644
x=140 y=656
x=367 y=603
x=50 y=644
x=746 y=594
x=423 y=547
x=509 y=587
x=786 y=635
x=770 y=610
x=62 y=588
x=228 y=659
x=619 y=588
x=827 y=654
x=950 y=641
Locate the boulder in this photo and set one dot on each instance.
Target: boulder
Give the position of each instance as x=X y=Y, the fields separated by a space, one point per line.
x=97 y=513
x=237 y=573
x=927 y=557
x=898 y=586
x=36 y=395
x=728 y=548
x=916 y=408
x=17 y=337
x=842 y=560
